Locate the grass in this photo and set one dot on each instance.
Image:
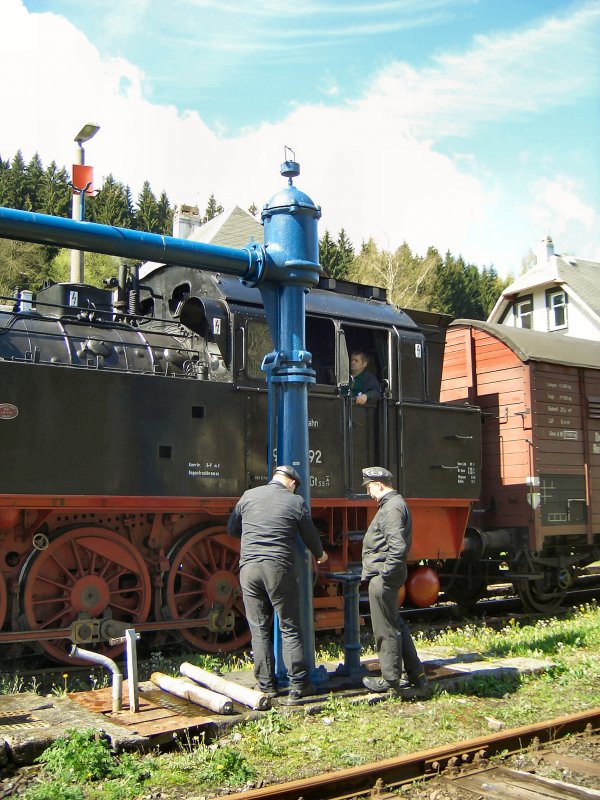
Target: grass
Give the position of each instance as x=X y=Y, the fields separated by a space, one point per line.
x=283 y=745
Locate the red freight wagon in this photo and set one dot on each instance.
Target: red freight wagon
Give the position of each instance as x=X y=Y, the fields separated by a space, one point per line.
x=538 y=521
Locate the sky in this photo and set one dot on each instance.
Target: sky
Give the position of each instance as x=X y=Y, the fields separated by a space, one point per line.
x=469 y=125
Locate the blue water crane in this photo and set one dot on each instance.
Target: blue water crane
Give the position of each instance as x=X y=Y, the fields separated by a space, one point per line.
x=284 y=270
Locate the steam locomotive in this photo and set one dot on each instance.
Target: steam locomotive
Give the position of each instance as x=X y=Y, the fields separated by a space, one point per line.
x=133 y=418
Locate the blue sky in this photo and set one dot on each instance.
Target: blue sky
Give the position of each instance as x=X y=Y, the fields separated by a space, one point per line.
x=470 y=125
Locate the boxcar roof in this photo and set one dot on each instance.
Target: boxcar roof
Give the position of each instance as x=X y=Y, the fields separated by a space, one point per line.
x=531 y=345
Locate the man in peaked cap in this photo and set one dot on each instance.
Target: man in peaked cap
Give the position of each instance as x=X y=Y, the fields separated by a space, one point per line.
x=268 y=518
x=385 y=549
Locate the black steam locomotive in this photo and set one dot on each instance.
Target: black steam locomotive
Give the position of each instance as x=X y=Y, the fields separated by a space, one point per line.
x=133 y=417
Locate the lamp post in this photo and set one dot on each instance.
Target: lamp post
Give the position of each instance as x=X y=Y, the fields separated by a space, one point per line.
x=84 y=135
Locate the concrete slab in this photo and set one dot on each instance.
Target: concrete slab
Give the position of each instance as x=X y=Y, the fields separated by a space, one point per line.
x=30 y=723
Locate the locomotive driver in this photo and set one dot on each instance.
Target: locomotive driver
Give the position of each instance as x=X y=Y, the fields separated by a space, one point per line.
x=365 y=385
x=268 y=518
x=385 y=549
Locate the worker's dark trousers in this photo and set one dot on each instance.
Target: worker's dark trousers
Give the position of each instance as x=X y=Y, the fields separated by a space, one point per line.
x=267 y=585
x=393 y=641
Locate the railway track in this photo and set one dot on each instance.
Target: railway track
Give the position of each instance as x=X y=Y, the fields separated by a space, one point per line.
x=463 y=769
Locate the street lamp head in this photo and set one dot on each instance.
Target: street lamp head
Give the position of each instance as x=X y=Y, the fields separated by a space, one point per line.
x=86 y=133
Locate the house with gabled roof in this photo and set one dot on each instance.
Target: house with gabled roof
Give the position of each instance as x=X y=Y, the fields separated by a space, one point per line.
x=233 y=227
x=560 y=294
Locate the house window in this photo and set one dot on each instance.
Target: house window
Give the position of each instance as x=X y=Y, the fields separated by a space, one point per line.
x=524 y=313
x=556 y=303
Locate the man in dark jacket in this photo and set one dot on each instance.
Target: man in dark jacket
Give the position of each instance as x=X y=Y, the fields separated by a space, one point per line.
x=365 y=385
x=268 y=519
x=385 y=549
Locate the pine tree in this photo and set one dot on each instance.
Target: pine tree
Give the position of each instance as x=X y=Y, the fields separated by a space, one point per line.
x=165 y=215
x=146 y=216
x=213 y=209
x=329 y=256
x=345 y=256
x=112 y=205
x=14 y=183
x=491 y=287
x=458 y=289
x=34 y=178
x=55 y=192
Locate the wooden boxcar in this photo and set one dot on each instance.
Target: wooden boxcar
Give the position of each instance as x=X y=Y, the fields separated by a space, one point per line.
x=538 y=521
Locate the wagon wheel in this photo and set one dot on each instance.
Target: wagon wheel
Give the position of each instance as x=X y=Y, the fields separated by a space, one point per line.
x=84 y=572
x=3 y=600
x=466 y=585
x=203 y=583
x=535 y=596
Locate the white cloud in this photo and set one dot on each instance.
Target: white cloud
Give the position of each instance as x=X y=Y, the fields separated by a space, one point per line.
x=499 y=78
x=558 y=209
x=371 y=164
x=557 y=203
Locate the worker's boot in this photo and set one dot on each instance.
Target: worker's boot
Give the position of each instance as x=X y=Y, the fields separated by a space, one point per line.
x=418 y=689
x=393 y=688
x=297 y=693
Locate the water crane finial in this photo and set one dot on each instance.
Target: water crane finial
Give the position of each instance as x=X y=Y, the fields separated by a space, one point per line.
x=290 y=167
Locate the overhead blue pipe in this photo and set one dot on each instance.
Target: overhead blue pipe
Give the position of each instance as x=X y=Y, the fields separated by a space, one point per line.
x=45 y=229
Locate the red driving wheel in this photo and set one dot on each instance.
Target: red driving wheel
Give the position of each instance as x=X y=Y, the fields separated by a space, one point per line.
x=84 y=572
x=204 y=579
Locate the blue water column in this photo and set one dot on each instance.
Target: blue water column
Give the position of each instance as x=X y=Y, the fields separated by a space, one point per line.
x=291 y=245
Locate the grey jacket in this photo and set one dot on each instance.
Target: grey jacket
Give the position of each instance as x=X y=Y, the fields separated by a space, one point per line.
x=387 y=541
x=268 y=518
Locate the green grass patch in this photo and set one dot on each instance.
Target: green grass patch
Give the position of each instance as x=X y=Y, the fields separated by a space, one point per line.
x=285 y=744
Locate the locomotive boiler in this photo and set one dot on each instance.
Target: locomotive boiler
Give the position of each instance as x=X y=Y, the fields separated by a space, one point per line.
x=133 y=418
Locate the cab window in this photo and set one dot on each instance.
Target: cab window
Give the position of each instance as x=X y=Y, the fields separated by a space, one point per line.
x=320 y=342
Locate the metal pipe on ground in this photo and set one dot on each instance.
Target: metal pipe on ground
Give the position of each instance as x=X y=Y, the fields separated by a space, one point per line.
x=104 y=661
x=248 y=697
x=188 y=690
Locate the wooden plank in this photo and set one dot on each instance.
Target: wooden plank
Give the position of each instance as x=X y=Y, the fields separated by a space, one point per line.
x=508 y=784
x=516 y=398
x=552 y=788
x=577 y=765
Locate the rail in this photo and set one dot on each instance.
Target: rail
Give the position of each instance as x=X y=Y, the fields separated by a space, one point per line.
x=382 y=777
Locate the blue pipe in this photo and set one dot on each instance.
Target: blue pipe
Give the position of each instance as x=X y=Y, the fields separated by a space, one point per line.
x=292 y=248
x=45 y=229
